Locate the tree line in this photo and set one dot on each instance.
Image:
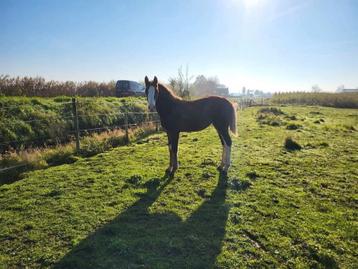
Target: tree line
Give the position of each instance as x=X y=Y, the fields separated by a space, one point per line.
x=182 y=85
x=341 y=100
x=38 y=86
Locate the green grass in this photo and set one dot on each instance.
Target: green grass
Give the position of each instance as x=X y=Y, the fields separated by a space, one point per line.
x=276 y=208
x=35 y=121
x=22 y=161
x=341 y=100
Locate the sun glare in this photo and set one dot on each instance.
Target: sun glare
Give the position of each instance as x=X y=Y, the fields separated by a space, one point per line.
x=252 y=3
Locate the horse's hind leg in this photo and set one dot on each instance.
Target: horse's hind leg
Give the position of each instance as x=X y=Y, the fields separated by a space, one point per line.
x=228 y=143
x=226 y=139
x=222 y=164
x=225 y=142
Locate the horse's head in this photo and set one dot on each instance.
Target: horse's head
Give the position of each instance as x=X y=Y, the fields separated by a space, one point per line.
x=151 y=90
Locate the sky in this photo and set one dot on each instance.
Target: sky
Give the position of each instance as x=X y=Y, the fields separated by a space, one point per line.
x=270 y=45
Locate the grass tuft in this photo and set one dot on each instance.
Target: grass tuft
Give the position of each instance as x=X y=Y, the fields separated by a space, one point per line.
x=293 y=126
x=239 y=185
x=271 y=110
x=252 y=175
x=292 y=145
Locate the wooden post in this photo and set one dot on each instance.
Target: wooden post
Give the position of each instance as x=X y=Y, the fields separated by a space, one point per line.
x=76 y=124
x=126 y=126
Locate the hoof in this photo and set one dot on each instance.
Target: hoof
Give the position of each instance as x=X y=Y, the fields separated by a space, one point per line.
x=220 y=168
x=223 y=172
x=168 y=171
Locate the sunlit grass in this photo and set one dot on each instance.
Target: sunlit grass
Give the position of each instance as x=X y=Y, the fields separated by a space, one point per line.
x=277 y=207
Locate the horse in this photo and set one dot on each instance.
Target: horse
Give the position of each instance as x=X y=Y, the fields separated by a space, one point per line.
x=178 y=115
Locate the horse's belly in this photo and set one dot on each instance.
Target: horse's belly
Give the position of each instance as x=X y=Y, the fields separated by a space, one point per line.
x=193 y=126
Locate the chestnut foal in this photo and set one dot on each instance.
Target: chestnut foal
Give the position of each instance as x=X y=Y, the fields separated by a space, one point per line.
x=177 y=115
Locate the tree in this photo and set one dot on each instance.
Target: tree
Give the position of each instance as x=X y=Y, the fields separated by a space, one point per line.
x=181 y=84
x=204 y=86
x=316 y=88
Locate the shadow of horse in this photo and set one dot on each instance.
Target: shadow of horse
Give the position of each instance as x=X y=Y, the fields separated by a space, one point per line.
x=140 y=239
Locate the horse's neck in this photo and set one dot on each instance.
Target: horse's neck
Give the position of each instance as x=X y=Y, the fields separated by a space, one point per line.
x=166 y=101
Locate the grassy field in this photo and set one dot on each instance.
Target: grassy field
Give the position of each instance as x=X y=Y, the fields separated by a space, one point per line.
x=285 y=207
x=36 y=121
x=341 y=100
x=37 y=133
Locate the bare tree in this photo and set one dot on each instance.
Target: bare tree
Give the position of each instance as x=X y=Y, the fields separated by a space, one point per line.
x=181 y=83
x=316 y=88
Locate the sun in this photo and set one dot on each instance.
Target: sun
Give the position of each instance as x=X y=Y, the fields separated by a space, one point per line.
x=252 y=3
x=248 y=4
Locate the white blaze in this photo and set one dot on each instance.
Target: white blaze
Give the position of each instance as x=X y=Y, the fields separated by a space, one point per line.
x=151 y=97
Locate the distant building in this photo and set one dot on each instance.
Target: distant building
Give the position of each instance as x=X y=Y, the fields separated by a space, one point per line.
x=350 y=90
x=221 y=90
x=247 y=93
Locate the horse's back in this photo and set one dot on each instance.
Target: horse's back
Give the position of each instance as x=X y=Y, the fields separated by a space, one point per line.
x=215 y=105
x=200 y=113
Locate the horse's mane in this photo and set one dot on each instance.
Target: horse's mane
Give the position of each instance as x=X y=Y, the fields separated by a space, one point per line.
x=168 y=92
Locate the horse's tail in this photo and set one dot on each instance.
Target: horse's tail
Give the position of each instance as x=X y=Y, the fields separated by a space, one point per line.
x=233 y=123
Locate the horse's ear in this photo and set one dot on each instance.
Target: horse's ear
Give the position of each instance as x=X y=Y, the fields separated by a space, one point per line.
x=155 y=81
x=146 y=80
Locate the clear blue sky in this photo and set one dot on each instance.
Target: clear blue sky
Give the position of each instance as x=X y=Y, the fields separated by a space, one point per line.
x=260 y=44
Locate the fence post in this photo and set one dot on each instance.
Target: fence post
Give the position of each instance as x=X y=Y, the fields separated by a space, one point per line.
x=126 y=126
x=75 y=123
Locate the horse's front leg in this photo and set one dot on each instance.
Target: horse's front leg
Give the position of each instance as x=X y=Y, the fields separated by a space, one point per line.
x=170 y=147
x=173 y=138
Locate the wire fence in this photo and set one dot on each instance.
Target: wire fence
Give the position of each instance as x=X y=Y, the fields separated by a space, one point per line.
x=245 y=102
x=73 y=122
x=71 y=125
